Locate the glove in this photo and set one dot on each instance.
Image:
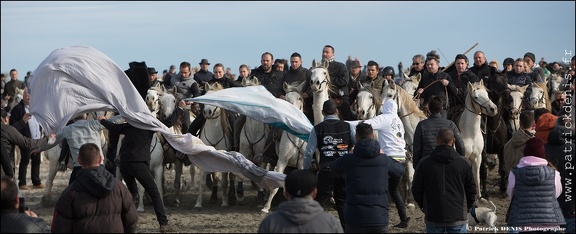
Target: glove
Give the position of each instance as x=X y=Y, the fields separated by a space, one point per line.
x=62 y=166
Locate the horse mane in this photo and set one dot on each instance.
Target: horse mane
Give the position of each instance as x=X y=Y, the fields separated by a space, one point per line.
x=407 y=100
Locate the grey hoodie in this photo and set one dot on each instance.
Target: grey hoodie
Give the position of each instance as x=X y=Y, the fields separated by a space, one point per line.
x=300 y=215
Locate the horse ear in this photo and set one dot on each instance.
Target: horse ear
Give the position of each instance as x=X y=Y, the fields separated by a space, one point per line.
x=173 y=90
x=255 y=80
x=522 y=88
x=481 y=82
x=325 y=64
x=301 y=86
x=245 y=81
x=206 y=86
x=286 y=87
x=418 y=77
x=392 y=84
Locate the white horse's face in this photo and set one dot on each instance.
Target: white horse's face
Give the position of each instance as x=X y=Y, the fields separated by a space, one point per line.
x=295 y=99
x=365 y=107
x=410 y=86
x=390 y=92
x=168 y=104
x=516 y=104
x=153 y=100
x=537 y=99
x=319 y=79
x=479 y=96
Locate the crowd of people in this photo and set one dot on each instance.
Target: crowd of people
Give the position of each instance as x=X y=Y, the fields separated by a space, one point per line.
x=361 y=162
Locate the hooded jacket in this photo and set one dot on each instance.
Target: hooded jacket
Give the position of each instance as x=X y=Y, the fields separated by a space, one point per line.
x=544 y=125
x=367 y=173
x=514 y=148
x=444 y=187
x=95 y=202
x=559 y=146
x=300 y=215
x=390 y=130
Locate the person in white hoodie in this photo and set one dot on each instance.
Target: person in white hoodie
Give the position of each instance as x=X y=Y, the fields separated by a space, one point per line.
x=391 y=139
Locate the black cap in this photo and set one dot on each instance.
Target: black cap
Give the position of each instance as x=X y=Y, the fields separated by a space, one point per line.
x=152 y=70
x=300 y=183
x=329 y=107
x=204 y=61
x=508 y=61
x=531 y=56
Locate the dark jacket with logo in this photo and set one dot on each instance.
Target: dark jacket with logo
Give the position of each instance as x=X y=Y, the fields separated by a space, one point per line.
x=333 y=137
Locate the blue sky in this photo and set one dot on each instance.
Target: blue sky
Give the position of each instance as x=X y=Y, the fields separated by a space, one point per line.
x=235 y=33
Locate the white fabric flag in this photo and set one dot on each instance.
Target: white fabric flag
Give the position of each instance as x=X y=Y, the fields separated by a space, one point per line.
x=258 y=103
x=80 y=79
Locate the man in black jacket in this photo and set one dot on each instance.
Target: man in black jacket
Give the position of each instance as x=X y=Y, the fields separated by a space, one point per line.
x=135 y=158
x=436 y=83
x=461 y=77
x=339 y=78
x=444 y=187
x=367 y=172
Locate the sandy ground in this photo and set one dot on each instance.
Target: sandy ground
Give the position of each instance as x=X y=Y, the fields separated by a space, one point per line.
x=243 y=217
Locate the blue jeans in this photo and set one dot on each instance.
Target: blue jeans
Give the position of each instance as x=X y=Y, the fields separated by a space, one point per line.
x=569 y=225
x=446 y=229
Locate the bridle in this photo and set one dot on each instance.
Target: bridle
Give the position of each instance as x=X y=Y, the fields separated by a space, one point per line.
x=482 y=107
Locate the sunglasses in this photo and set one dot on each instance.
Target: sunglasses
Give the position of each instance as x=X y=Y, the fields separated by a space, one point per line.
x=560 y=100
x=415 y=63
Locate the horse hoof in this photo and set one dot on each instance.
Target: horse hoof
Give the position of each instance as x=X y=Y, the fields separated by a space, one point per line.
x=140 y=209
x=198 y=208
x=264 y=210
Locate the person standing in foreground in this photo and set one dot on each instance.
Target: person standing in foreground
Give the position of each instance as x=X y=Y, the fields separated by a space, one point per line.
x=560 y=145
x=333 y=138
x=444 y=187
x=533 y=187
x=300 y=213
x=134 y=161
x=391 y=139
x=12 y=220
x=367 y=172
x=96 y=201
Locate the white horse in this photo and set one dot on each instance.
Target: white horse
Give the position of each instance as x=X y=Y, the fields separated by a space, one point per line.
x=252 y=137
x=18 y=96
x=516 y=95
x=217 y=133
x=539 y=97
x=367 y=103
x=411 y=83
x=410 y=115
x=477 y=102
x=291 y=148
x=320 y=85
x=554 y=82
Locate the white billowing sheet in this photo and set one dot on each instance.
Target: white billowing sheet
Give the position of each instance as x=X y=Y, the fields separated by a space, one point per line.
x=80 y=79
x=257 y=103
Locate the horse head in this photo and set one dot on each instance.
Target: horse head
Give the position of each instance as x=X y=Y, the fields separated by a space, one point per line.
x=368 y=103
x=294 y=94
x=168 y=104
x=210 y=111
x=411 y=83
x=153 y=100
x=515 y=96
x=539 y=96
x=479 y=100
x=250 y=81
x=320 y=79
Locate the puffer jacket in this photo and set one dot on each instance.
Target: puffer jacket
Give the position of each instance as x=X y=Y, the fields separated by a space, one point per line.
x=558 y=147
x=367 y=173
x=534 y=187
x=514 y=148
x=544 y=125
x=96 y=202
x=444 y=187
x=300 y=215
x=425 y=136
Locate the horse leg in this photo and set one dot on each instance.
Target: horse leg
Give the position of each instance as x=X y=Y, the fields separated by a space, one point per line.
x=280 y=166
x=177 y=181
x=159 y=177
x=231 y=188
x=407 y=180
x=476 y=160
x=224 y=185
x=200 y=190
x=483 y=174
x=216 y=178
x=502 y=172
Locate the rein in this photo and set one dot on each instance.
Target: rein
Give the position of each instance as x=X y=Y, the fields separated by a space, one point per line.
x=417 y=97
